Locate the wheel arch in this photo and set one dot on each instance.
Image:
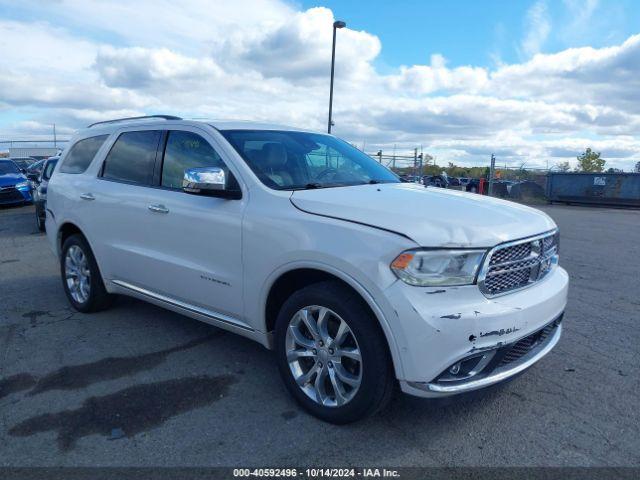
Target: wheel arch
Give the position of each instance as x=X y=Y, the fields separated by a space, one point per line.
x=65 y=231
x=288 y=280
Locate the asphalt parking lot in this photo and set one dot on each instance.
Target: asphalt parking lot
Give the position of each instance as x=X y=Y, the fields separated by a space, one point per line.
x=140 y=386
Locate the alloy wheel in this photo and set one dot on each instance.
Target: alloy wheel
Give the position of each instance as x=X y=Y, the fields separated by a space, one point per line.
x=323 y=356
x=77 y=274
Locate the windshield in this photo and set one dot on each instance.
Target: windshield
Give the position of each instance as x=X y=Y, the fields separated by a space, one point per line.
x=286 y=160
x=8 y=168
x=21 y=162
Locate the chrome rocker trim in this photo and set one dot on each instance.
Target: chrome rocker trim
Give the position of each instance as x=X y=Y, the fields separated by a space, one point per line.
x=218 y=317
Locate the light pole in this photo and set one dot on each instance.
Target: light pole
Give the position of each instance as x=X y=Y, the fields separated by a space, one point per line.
x=337 y=24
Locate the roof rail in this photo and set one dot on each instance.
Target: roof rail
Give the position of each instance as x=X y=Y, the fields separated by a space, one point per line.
x=165 y=117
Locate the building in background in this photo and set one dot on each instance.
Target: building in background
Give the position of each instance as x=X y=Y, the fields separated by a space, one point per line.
x=33 y=152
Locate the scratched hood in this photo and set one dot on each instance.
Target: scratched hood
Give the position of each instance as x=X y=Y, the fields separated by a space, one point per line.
x=432 y=217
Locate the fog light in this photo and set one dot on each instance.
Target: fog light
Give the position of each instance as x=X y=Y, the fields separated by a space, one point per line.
x=455 y=369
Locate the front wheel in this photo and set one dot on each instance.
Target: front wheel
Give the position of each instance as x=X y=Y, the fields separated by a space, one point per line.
x=332 y=354
x=81 y=278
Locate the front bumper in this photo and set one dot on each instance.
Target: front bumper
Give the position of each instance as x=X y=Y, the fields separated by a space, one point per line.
x=12 y=196
x=495 y=374
x=435 y=328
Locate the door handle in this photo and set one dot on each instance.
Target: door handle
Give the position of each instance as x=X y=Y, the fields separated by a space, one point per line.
x=158 y=208
x=87 y=196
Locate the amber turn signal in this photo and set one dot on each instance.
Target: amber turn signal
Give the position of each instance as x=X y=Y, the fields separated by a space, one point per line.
x=402 y=261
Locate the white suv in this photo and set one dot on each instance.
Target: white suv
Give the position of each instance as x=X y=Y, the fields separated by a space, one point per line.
x=305 y=244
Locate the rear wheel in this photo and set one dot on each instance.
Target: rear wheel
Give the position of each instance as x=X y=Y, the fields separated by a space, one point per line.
x=81 y=278
x=332 y=355
x=40 y=220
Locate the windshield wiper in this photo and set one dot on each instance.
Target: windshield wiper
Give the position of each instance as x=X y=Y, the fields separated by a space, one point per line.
x=313 y=185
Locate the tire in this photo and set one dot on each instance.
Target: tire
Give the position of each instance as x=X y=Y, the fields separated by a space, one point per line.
x=374 y=370
x=40 y=221
x=93 y=297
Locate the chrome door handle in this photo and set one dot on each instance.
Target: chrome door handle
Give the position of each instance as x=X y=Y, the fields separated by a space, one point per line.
x=87 y=196
x=158 y=208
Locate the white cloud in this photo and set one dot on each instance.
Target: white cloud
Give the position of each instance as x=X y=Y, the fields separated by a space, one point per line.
x=537 y=28
x=581 y=13
x=138 y=67
x=422 y=79
x=298 y=48
x=263 y=60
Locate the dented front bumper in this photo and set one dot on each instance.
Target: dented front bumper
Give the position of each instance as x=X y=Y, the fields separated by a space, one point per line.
x=436 y=328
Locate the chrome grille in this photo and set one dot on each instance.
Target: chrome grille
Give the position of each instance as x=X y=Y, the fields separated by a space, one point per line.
x=518 y=264
x=511 y=253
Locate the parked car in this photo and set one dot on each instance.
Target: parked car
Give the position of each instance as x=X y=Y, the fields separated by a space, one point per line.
x=40 y=191
x=14 y=186
x=409 y=178
x=464 y=181
x=453 y=182
x=23 y=162
x=35 y=168
x=435 y=181
x=358 y=282
x=473 y=185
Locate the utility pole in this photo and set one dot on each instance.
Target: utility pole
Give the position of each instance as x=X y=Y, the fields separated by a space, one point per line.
x=491 y=172
x=337 y=24
x=415 y=163
x=55 y=143
x=394 y=155
x=379 y=156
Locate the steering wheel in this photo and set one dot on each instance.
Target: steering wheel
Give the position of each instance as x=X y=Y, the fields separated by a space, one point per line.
x=326 y=172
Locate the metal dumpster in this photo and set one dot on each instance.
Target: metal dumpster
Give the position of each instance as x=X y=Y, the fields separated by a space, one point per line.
x=595 y=188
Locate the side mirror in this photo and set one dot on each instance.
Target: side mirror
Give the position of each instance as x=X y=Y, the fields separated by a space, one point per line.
x=210 y=181
x=32 y=176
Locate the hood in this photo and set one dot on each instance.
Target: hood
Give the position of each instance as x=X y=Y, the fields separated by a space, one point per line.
x=10 y=179
x=432 y=217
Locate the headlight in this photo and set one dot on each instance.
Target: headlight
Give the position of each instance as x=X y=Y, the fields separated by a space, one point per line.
x=433 y=268
x=22 y=185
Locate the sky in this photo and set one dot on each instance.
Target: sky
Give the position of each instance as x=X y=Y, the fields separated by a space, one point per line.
x=533 y=81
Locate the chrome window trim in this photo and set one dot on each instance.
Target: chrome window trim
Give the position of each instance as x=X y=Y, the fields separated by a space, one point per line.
x=487 y=260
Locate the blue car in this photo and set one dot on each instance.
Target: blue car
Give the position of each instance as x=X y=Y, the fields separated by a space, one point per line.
x=14 y=186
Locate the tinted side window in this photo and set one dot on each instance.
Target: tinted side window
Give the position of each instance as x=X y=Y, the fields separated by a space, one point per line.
x=81 y=154
x=48 y=169
x=186 y=150
x=132 y=158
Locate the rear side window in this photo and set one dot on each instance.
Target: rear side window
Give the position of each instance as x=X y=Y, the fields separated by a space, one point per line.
x=81 y=154
x=186 y=150
x=132 y=158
